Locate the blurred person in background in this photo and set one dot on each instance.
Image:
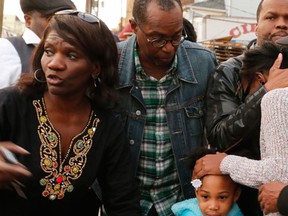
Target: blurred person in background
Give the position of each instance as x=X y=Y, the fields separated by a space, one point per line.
x=16 y=52
x=190 y=30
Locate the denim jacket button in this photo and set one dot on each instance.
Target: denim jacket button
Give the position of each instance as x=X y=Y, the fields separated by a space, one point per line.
x=138 y=112
x=131 y=142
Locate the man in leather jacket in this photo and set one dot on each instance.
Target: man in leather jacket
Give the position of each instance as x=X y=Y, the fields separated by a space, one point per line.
x=232 y=118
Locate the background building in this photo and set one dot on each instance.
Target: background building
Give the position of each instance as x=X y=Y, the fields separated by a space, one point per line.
x=212 y=19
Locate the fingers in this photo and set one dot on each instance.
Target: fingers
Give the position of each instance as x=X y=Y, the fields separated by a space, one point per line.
x=13 y=147
x=198 y=171
x=10 y=172
x=209 y=164
x=10 y=168
x=17 y=171
x=200 y=168
x=267 y=198
x=260 y=190
x=277 y=62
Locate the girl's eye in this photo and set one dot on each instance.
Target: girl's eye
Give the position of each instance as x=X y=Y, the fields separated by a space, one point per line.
x=223 y=197
x=205 y=197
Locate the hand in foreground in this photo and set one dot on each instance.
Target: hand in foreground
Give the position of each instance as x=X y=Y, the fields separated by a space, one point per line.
x=209 y=164
x=278 y=78
x=8 y=171
x=268 y=196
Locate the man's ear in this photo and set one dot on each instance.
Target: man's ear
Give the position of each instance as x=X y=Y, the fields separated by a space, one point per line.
x=27 y=19
x=133 y=25
x=256 y=29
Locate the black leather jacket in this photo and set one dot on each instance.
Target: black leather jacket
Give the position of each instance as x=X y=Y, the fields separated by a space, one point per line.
x=282 y=201
x=230 y=116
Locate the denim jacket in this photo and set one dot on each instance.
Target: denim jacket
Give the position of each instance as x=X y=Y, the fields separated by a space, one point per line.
x=183 y=105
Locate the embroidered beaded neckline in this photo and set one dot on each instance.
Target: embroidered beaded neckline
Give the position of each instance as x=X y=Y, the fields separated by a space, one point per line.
x=61 y=173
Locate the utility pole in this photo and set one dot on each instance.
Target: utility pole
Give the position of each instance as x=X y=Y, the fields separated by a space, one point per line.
x=88 y=6
x=1 y=15
x=92 y=6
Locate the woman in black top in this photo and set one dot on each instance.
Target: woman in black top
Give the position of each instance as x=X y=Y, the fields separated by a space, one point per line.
x=60 y=114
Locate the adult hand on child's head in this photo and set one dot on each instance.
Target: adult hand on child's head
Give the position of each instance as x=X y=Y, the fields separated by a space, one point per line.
x=209 y=164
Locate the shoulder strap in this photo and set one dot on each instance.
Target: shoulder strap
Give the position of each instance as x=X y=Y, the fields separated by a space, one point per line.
x=24 y=51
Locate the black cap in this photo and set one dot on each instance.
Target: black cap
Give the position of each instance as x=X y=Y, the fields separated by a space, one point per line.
x=282 y=41
x=46 y=7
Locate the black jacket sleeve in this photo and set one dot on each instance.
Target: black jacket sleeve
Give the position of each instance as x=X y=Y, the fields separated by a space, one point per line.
x=282 y=201
x=229 y=116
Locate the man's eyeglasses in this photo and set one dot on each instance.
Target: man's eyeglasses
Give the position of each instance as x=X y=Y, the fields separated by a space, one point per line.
x=84 y=16
x=161 y=42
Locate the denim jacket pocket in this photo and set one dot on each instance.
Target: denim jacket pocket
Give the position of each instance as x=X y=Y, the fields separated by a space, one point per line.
x=194 y=112
x=194 y=119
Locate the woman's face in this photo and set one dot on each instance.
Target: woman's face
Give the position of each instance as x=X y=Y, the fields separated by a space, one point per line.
x=217 y=195
x=67 y=69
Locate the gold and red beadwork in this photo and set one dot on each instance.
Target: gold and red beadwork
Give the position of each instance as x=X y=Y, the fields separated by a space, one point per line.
x=61 y=173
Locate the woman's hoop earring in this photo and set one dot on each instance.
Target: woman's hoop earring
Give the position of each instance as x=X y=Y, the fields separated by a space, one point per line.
x=95 y=81
x=36 y=78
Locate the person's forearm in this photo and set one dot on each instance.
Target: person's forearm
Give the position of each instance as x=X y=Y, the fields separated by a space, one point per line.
x=251 y=173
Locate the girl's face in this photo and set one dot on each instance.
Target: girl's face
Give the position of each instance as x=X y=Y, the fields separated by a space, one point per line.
x=217 y=195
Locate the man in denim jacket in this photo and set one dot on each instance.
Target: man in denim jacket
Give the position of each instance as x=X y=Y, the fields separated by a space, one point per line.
x=162 y=84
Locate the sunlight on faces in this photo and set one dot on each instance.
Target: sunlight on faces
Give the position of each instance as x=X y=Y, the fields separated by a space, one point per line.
x=217 y=195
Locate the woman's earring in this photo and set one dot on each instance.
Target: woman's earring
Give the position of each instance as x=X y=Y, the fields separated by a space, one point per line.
x=95 y=81
x=41 y=76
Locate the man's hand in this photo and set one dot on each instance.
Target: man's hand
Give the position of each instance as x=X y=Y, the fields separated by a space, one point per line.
x=278 y=78
x=268 y=196
x=209 y=164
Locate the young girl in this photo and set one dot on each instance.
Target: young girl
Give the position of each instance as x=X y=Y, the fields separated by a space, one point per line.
x=215 y=195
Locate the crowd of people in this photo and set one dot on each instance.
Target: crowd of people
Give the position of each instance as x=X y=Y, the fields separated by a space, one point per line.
x=92 y=124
